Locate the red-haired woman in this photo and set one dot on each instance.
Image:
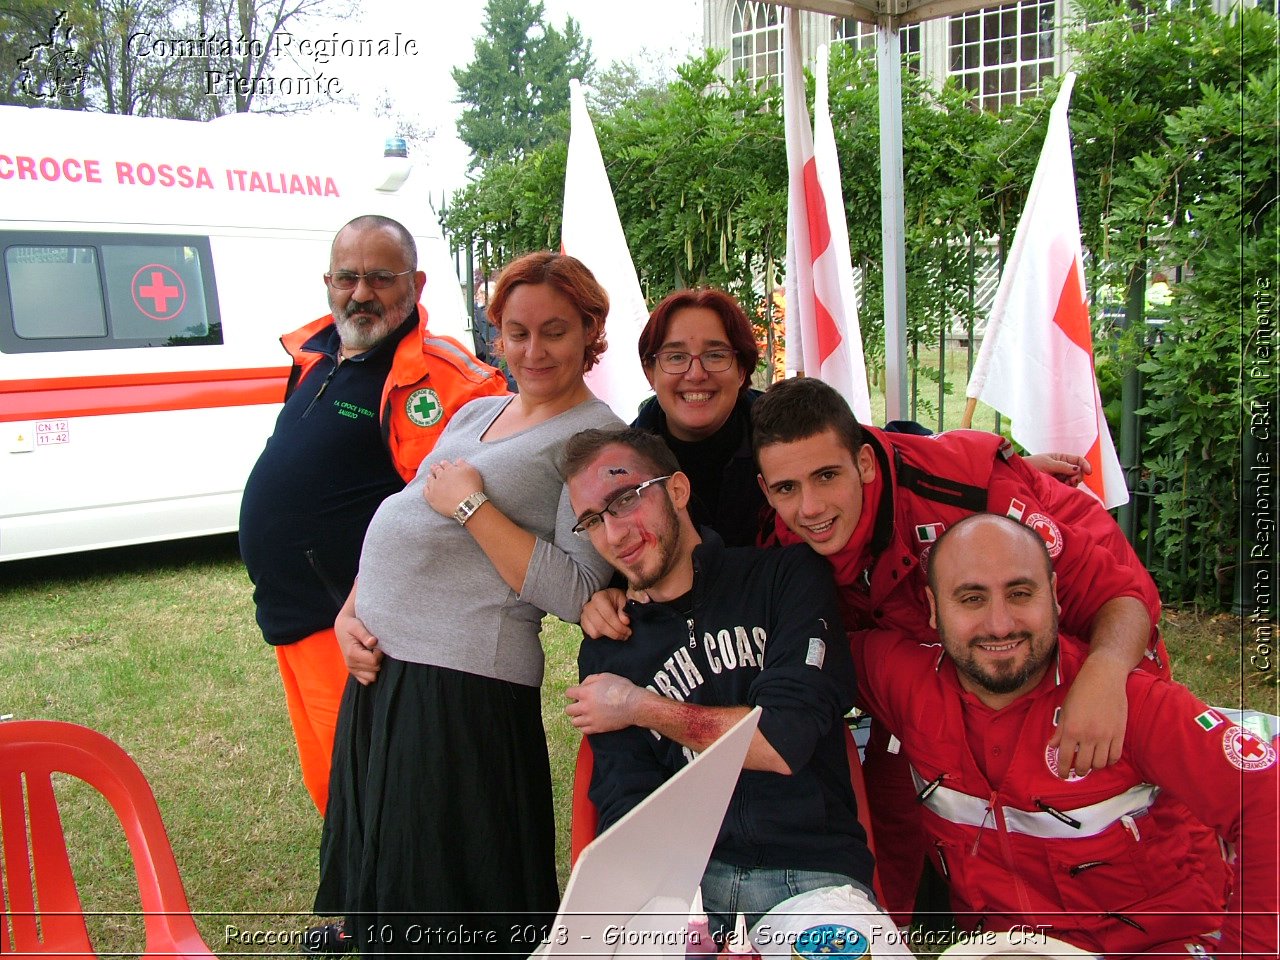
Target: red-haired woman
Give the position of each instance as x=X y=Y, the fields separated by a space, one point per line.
x=699 y=351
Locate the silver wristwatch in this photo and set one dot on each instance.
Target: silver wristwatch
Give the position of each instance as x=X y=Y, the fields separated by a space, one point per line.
x=469 y=506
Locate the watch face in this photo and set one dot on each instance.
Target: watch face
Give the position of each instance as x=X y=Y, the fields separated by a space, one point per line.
x=469 y=506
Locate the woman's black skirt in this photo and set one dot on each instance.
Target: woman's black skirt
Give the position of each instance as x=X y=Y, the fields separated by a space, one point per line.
x=440 y=834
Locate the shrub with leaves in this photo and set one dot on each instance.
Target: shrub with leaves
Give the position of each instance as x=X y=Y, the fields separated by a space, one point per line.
x=1180 y=138
x=1174 y=132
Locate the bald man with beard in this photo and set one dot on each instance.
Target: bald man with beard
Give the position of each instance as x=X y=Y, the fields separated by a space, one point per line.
x=1119 y=860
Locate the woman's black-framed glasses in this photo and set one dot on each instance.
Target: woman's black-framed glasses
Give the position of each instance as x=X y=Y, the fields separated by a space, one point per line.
x=621 y=505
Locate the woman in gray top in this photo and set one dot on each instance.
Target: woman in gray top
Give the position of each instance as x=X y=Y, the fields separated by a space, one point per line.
x=439 y=837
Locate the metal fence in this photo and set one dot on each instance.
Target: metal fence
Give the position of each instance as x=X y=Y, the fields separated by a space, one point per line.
x=1185 y=570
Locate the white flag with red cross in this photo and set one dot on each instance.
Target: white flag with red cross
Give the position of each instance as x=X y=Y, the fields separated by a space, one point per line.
x=1036 y=361
x=823 y=337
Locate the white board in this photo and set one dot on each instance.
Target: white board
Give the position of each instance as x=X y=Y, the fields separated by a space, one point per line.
x=636 y=880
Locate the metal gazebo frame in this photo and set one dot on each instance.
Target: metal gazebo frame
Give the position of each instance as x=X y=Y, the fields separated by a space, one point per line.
x=889 y=17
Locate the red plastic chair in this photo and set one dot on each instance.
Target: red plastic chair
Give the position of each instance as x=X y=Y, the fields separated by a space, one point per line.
x=585 y=819
x=42 y=910
x=860 y=795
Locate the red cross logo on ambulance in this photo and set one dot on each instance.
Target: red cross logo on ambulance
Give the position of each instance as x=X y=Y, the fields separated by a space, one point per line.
x=158 y=292
x=1245 y=751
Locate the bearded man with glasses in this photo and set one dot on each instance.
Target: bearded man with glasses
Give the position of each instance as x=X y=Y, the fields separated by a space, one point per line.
x=370 y=392
x=716 y=631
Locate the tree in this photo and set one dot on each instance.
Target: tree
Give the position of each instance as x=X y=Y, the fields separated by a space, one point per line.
x=626 y=82
x=945 y=195
x=699 y=174
x=517 y=86
x=120 y=76
x=244 y=69
x=699 y=177
x=1178 y=143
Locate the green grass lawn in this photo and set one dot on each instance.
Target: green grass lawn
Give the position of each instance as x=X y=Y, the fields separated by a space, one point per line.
x=157 y=648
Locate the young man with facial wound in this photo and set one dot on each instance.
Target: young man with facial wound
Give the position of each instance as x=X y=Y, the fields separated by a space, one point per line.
x=716 y=631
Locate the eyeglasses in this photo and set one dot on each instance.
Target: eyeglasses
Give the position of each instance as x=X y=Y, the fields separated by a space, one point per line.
x=678 y=361
x=621 y=505
x=375 y=279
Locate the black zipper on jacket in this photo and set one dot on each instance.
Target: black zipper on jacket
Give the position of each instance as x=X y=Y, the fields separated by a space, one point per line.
x=1127 y=920
x=1058 y=814
x=329 y=586
x=1080 y=868
x=323 y=387
x=929 y=787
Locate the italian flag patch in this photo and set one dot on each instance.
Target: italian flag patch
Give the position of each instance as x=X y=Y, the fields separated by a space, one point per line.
x=1210 y=719
x=929 y=532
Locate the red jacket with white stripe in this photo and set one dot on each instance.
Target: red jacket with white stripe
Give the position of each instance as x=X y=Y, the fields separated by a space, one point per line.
x=1118 y=861
x=931 y=483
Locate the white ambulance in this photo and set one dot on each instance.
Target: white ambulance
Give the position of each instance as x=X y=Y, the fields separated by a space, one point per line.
x=147 y=270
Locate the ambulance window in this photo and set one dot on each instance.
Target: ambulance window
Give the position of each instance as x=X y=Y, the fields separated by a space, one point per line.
x=154 y=292
x=54 y=292
x=93 y=291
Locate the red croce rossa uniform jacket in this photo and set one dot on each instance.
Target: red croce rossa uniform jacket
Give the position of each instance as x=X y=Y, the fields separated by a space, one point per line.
x=923 y=485
x=935 y=481
x=1118 y=861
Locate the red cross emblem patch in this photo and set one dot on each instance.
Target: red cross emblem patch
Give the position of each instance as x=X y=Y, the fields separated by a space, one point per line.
x=1245 y=751
x=1048 y=531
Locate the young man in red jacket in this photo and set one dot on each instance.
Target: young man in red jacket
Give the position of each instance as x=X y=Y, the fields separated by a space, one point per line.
x=873 y=503
x=1119 y=860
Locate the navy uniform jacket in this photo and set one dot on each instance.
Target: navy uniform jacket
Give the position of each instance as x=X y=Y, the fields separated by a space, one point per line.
x=764 y=630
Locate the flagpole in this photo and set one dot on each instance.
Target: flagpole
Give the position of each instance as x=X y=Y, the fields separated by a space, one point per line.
x=892 y=216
